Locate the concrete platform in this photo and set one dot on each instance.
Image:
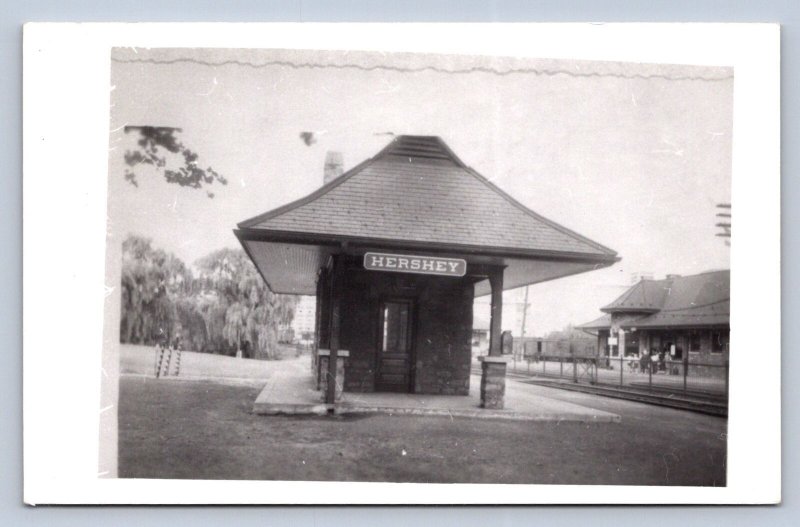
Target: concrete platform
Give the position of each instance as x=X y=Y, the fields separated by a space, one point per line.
x=292 y=392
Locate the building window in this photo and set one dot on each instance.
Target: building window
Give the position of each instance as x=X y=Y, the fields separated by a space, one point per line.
x=632 y=344
x=694 y=341
x=719 y=341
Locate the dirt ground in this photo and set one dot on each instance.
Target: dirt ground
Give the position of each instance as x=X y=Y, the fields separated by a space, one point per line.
x=202 y=429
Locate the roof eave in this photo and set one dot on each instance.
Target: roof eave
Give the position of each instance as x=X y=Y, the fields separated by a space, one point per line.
x=594 y=327
x=633 y=310
x=306 y=238
x=676 y=326
x=250 y=255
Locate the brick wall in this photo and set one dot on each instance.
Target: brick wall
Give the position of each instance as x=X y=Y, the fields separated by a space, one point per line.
x=442 y=328
x=705 y=363
x=444 y=339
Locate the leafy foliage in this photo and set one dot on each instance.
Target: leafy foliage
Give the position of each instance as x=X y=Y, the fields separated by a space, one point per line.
x=152 y=140
x=223 y=308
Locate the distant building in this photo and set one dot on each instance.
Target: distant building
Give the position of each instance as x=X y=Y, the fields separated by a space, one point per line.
x=304 y=321
x=480 y=334
x=678 y=315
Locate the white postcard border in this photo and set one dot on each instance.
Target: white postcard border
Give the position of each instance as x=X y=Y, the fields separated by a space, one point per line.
x=66 y=116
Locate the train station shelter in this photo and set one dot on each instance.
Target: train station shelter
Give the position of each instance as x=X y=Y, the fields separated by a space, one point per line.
x=395 y=250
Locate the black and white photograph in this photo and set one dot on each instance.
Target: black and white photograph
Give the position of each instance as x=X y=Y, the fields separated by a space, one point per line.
x=425 y=268
x=402 y=264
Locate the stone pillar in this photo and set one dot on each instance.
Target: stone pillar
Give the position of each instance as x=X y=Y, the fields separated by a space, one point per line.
x=493 y=382
x=323 y=372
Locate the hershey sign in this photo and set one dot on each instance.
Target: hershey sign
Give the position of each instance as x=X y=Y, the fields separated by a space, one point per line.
x=403 y=263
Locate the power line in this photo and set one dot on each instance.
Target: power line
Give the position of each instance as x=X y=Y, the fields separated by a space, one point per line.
x=724 y=225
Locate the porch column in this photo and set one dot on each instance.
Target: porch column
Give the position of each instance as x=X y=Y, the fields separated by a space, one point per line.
x=336 y=286
x=324 y=368
x=495 y=325
x=317 y=323
x=493 y=367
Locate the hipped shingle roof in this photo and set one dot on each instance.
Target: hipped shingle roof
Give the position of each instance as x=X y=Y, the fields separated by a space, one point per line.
x=417 y=190
x=682 y=301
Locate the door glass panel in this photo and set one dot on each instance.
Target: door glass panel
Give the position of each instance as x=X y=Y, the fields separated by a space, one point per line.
x=395 y=327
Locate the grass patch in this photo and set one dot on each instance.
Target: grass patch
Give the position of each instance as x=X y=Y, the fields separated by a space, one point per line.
x=205 y=430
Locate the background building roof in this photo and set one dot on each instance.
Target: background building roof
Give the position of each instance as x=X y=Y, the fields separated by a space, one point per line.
x=647 y=296
x=681 y=301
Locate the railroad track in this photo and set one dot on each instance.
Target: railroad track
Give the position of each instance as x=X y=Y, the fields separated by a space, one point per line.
x=706 y=405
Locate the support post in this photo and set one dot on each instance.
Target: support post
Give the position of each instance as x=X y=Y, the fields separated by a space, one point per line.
x=493 y=367
x=685 y=359
x=495 y=325
x=317 y=321
x=323 y=369
x=596 y=360
x=336 y=285
x=574 y=362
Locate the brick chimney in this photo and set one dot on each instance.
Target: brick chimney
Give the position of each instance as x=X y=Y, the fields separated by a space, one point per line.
x=334 y=166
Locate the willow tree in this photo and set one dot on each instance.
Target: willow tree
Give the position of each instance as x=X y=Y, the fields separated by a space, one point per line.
x=152 y=282
x=225 y=308
x=252 y=313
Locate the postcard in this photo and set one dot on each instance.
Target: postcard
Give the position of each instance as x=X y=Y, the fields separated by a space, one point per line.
x=402 y=263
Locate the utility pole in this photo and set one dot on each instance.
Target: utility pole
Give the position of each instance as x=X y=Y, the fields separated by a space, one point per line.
x=725 y=225
x=524 y=318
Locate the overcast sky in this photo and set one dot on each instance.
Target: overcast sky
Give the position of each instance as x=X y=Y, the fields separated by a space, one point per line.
x=632 y=156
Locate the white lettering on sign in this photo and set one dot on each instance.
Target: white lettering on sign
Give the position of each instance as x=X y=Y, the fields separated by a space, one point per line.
x=401 y=263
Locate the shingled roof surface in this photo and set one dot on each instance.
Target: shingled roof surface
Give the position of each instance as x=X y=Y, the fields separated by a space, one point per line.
x=416 y=189
x=645 y=296
x=684 y=301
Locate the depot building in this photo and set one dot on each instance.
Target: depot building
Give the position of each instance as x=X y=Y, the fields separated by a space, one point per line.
x=396 y=250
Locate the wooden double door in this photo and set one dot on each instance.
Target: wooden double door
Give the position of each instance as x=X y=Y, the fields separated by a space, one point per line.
x=395 y=346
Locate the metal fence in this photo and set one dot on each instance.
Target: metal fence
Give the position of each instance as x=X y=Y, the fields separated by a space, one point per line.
x=690 y=375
